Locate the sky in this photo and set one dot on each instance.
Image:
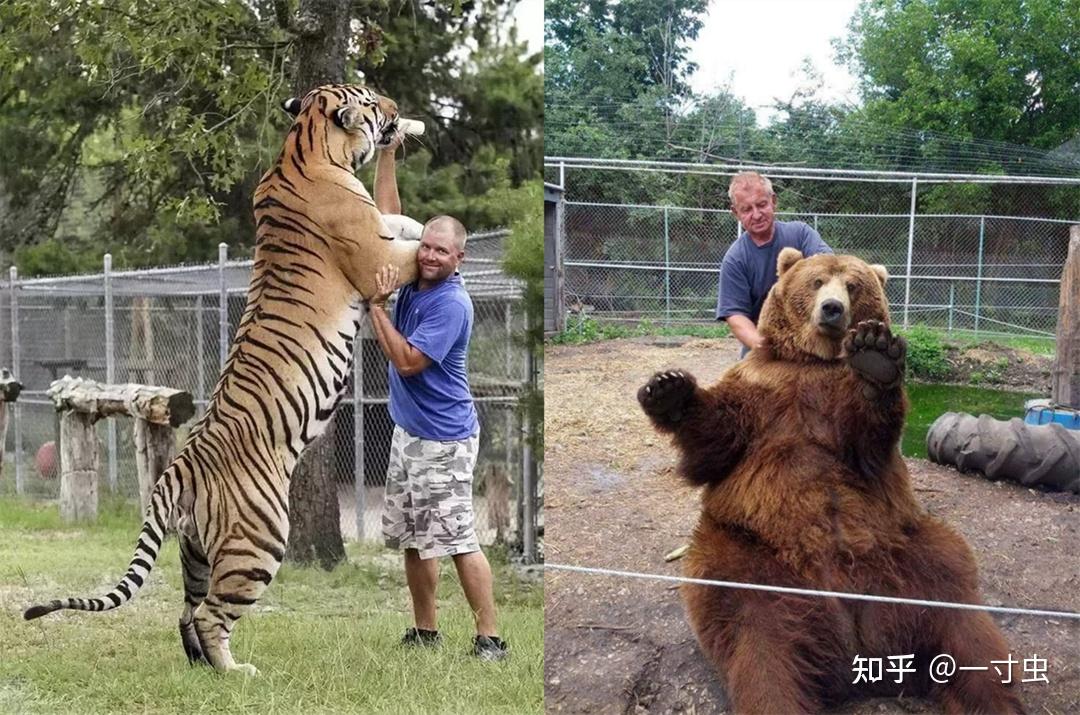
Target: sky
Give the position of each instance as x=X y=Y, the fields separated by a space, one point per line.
x=757 y=46
x=529 y=17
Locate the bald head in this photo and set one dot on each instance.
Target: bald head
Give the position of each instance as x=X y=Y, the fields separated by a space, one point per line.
x=448 y=226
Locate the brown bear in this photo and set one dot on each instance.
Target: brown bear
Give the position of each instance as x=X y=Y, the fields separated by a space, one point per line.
x=797 y=448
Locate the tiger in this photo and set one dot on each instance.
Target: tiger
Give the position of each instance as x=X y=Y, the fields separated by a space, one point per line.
x=319 y=241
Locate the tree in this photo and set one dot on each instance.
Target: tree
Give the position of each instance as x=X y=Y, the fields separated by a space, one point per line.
x=142 y=128
x=989 y=70
x=610 y=64
x=322 y=30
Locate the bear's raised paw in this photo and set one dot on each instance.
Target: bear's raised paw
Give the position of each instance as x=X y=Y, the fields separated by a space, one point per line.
x=666 y=395
x=876 y=355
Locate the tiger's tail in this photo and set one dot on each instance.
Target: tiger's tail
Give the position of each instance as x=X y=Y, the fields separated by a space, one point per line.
x=163 y=500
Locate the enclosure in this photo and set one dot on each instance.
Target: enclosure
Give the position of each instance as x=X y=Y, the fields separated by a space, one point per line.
x=173 y=326
x=981 y=254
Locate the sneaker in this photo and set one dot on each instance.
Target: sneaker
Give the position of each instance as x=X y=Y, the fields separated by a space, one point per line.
x=419 y=636
x=490 y=648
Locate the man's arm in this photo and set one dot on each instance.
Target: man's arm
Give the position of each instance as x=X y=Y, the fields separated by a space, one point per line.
x=744 y=330
x=386 y=191
x=405 y=358
x=733 y=302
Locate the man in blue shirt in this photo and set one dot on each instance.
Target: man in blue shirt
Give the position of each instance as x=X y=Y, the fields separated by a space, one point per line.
x=428 y=508
x=748 y=271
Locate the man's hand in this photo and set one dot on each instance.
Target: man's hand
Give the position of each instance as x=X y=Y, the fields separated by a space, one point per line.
x=386 y=282
x=390 y=148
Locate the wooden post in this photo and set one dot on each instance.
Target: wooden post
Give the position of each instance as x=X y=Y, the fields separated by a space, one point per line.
x=9 y=392
x=1065 y=375
x=155 y=447
x=157 y=410
x=78 y=467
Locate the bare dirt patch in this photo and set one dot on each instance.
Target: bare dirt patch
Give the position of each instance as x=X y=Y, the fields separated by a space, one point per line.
x=612 y=501
x=999 y=367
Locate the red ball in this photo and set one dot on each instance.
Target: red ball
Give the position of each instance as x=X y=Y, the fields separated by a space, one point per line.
x=46 y=461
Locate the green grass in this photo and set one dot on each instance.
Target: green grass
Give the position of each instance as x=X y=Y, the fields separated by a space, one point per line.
x=928 y=402
x=323 y=642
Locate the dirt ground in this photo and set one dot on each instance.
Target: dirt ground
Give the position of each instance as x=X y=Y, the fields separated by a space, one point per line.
x=616 y=644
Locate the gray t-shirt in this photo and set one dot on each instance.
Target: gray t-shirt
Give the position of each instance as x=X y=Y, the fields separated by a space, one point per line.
x=749 y=270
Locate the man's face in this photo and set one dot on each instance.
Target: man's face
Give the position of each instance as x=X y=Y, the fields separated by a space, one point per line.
x=755 y=208
x=439 y=255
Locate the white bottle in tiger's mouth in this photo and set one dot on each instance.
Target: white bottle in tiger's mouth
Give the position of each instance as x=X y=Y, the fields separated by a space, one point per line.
x=411 y=126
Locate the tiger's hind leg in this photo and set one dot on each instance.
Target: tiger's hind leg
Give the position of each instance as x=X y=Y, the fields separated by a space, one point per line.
x=196 y=572
x=237 y=580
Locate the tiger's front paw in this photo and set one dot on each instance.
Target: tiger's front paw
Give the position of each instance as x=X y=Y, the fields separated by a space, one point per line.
x=667 y=395
x=876 y=355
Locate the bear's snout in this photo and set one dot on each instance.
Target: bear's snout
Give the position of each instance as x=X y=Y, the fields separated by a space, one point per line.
x=832 y=312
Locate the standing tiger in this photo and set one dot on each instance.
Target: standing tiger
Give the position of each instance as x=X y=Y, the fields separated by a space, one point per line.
x=319 y=241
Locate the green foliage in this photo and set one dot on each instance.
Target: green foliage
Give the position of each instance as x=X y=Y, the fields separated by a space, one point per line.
x=141 y=129
x=926 y=354
x=524 y=259
x=994 y=69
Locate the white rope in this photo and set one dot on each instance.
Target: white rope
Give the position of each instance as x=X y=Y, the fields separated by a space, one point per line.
x=814 y=592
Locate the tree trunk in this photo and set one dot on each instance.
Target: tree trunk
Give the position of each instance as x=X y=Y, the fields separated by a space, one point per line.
x=1065 y=380
x=78 y=467
x=314 y=528
x=155 y=447
x=322 y=28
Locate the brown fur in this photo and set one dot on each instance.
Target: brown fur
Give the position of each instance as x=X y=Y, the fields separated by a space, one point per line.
x=797 y=448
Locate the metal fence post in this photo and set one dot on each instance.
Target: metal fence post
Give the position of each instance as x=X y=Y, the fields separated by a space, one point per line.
x=528 y=532
x=16 y=409
x=910 y=246
x=952 y=303
x=562 y=175
x=200 y=350
x=110 y=365
x=815 y=224
x=979 y=272
x=223 y=305
x=667 y=267
x=358 y=429
x=508 y=414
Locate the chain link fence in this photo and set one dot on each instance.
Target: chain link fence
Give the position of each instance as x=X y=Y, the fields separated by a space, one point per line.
x=635 y=249
x=173 y=326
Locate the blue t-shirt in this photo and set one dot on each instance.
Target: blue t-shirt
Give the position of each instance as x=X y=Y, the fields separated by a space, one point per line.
x=749 y=270
x=435 y=403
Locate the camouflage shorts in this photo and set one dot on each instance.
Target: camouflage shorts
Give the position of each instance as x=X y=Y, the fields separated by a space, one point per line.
x=428 y=503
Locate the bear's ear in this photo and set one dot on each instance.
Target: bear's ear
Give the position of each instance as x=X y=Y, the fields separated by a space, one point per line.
x=881 y=272
x=788 y=257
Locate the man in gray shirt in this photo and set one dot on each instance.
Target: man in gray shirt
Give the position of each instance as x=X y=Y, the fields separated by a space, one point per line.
x=749 y=267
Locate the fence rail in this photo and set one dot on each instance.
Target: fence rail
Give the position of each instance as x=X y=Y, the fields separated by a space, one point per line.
x=635 y=248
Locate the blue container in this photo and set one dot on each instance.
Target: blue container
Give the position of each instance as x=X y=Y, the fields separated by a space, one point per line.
x=1041 y=412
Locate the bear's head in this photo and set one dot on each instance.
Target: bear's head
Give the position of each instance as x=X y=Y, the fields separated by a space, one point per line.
x=816 y=300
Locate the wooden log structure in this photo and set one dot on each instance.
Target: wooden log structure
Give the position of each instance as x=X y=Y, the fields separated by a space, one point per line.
x=157 y=411
x=1065 y=375
x=9 y=392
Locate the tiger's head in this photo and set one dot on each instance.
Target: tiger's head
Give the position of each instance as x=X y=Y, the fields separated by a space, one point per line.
x=351 y=120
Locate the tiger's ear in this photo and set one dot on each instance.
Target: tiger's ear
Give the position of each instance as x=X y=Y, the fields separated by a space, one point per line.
x=349 y=118
x=291 y=105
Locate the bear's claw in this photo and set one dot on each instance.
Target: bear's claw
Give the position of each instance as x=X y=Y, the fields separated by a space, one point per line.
x=875 y=354
x=667 y=394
